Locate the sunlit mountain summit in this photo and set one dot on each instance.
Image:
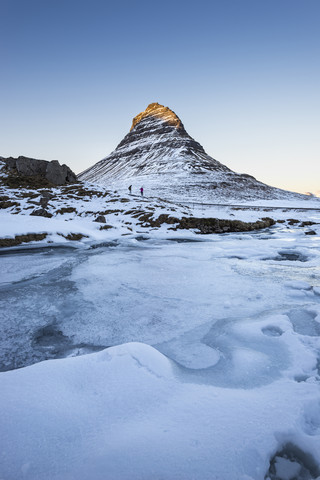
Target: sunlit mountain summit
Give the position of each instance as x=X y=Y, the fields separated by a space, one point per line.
x=157 y=143
x=159 y=154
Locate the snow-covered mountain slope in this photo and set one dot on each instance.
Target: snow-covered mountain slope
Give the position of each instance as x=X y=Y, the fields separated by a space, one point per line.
x=156 y=143
x=159 y=155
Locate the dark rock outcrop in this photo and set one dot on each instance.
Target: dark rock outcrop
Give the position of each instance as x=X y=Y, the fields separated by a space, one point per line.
x=204 y=225
x=59 y=174
x=100 y=219
x=64 y=210
x=75 y=237
x=8 y=204
x=18 y=239
x=52 y=172
x=41 y=212
x=215 y=225
x=44 y=202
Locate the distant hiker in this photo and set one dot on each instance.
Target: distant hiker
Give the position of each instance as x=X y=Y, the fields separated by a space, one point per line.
x=129 y=188
x=141 y=191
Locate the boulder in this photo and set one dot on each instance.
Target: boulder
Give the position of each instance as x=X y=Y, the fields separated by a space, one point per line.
x=44 y=202
x=52 y=171
x=100 y=219
x=10 y=163
x=55 y=173
x=31 y=166
x=59 y=174
x=41 y=212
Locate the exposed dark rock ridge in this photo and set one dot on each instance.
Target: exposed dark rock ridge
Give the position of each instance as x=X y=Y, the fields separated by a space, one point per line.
x=156 y=143
x=52 y=172
x=205 y=225
x=18 y=239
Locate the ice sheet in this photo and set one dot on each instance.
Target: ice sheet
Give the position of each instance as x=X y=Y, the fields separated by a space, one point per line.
x=225 y=384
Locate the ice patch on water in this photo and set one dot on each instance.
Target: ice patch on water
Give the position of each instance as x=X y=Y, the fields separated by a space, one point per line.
x=304 y=323
x=248 y=358
x=158 y=292
x=286 y=469
x=289 y=255
x=292 y=255
x=190 y=354
x=298 y=285
x=292 y=463
x=301 y=378
x=272 y=331
x=19 y=268
x=51 y=341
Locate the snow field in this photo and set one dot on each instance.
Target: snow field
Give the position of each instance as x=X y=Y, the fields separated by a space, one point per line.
x=124 y=414
x=213 y=368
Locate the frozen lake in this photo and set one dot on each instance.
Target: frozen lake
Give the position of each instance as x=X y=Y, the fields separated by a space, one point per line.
x=233 y=313
x=188 y=298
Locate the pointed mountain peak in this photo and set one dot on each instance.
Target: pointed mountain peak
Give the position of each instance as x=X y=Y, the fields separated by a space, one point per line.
x=158 y=111
x=159 y=153
x=157 y=143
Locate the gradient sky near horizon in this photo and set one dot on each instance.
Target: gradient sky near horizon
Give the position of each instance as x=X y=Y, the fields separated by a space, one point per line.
x=242 y=75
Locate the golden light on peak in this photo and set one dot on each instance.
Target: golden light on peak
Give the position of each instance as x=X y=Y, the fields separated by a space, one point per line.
x=158 y=111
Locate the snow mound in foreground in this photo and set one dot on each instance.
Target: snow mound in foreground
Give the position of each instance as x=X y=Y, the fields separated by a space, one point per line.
x=125 y=413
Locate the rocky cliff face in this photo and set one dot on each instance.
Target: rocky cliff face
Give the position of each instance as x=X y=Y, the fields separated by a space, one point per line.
x=52 y=172
x=157 y=143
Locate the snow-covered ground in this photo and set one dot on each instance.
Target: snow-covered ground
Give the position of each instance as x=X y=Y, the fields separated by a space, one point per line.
x=141 y=352
x=213 y=370
x=208 y=188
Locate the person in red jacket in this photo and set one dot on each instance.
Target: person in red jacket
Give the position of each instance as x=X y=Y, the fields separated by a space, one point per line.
x=141 y=191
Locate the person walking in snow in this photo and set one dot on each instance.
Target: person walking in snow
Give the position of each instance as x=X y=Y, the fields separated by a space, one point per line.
x=129 y=188
x=141 y=191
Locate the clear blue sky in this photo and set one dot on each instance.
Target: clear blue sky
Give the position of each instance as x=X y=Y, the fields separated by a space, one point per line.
x=243 y=76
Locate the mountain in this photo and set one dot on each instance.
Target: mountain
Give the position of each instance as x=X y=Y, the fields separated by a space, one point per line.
x=159 y=154
x=157 y=143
